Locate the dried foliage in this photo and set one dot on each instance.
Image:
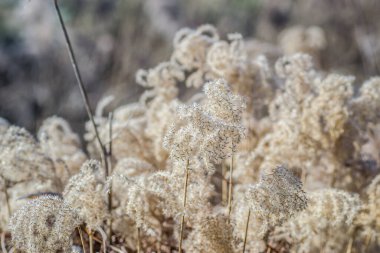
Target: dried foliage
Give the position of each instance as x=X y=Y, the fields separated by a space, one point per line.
x=85 y=192
x=44 y=225
x=302 y=146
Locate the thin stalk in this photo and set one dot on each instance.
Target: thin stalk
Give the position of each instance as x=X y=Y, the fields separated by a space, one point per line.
x=224 y=185
x=230 y=186
x=109 y=160
x=349 y=247
x=304 y=175
x=91 y=241
x=3 y=247
x=246 y=230
x=81 y=239
x=138 y=240
x=184 y=205
x=109 y=246
x=78 y=76
x=104 y=239
x=367 y=241
x=160 y=241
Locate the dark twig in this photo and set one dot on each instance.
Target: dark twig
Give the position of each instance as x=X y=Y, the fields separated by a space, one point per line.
x=109 y=160
x=81 y=87
x=230 y=186
x=81 y=239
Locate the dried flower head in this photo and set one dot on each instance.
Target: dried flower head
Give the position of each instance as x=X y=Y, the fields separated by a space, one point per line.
x=22 y=158
x=60 y=143
x=211 y=130
x=24 y=169
x=366 y=106
x=368 y=219
x=181 y=143
x=128 y=126
x=212 y=234
x=277 y=197
x=222 y=103
x=44 y=224
x=168 y=184
x=329 y=215
x=85 y=192
x=190 y=51
x=162 y=79
x=130 y=189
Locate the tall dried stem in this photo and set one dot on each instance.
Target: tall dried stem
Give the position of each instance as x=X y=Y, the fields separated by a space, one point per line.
x=3 y=247
x=91 y=241
x=246 y=230
x=368 y=240
x=349 y=246
x=230 y=185
x=109 y=161
x=104 y=239
x=184 y=205
x=138 y=240
x=78 y=76
x=81 y=239
x=224 y=185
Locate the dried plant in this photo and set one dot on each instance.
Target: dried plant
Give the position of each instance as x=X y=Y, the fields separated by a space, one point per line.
x=326 y=224
x=368 y=219
x=60 y=143
x=212 y=234
x=85 y=192
x=24 y=169
x=45 y=224
x=225 y=151
x=275 y=199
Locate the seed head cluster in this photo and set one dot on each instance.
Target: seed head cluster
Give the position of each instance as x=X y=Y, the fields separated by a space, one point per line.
x=231 y=146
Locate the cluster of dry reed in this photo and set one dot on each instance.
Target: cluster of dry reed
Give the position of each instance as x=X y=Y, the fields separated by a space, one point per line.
x=258 y=156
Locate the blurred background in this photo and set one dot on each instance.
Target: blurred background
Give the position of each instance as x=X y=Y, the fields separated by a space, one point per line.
x=114 y=38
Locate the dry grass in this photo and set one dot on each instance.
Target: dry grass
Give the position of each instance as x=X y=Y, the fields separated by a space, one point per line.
x=300 y=147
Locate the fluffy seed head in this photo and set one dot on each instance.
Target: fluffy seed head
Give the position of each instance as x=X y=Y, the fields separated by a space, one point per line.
x=44 y=224
x=85 y=193
x=277 y=197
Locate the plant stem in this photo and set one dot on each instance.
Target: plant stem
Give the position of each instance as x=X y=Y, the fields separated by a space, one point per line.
x=367 y=241
x=349 y=246
x=230 y=186
x=246 y=230
x=184 y=205
x=109 y=246
x=303 y=176
x=109 y=160
x=224 y=185
x=78 y=76
x=91 y=242
x=104 y=239
x=3 y=246
x=138 y=240
x=81 y=239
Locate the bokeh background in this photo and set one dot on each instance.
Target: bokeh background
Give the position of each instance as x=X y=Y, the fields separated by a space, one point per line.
x=114 y=38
